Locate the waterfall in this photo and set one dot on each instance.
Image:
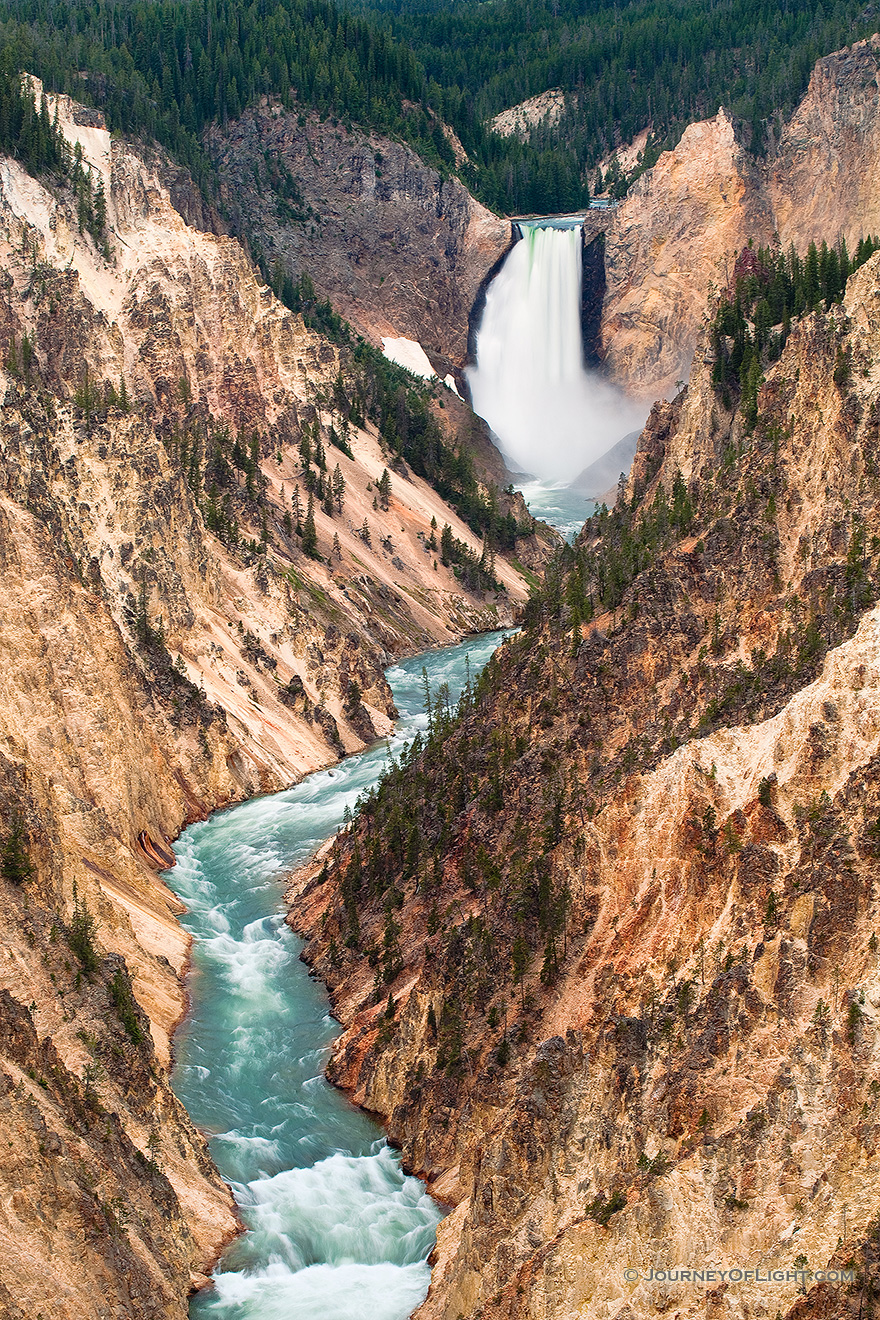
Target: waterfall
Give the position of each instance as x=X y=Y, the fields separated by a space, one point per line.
x=550 y=417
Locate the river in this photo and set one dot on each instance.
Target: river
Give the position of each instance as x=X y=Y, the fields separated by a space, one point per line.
x=334 y=1227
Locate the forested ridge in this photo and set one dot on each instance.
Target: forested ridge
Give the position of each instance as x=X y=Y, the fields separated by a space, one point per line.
x=753 y=319
x=626 y=67
x=168 y=69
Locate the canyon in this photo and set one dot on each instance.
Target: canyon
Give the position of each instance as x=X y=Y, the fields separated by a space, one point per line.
x=154 y=669
x=630 y=1018
x=398 y=249
x=687 y=1069
x=374 y=226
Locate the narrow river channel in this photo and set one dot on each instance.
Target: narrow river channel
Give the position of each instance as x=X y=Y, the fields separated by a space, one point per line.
x=334 y=1228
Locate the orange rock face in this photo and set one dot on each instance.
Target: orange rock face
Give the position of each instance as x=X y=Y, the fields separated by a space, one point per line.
x=151 y=670
x=675 y=235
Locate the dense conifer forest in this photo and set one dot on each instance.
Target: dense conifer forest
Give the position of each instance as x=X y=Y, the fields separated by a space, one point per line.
x=402 y=66
x=626 y=67
x=753 y=319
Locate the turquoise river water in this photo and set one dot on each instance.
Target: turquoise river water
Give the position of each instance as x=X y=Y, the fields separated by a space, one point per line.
x=334 y=1228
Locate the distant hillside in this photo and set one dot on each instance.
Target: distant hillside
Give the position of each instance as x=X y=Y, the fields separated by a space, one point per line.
x=625 y=67
x=167 y=70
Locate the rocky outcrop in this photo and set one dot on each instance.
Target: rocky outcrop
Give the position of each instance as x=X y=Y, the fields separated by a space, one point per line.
x=822 y=178
x=677 y=230
x=620 y=1004
x=675 y=235
x=105 y=1178
x=546 y=108
x=397 y=249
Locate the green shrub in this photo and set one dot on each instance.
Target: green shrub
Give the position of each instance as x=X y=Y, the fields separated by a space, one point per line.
x=81 y=938
x=123 y=1000
x=15 y=863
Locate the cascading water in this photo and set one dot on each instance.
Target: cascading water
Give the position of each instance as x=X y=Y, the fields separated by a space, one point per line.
x=334 y=1227
x=550 y=416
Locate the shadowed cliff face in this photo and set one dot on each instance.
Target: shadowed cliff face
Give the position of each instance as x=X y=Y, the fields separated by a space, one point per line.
x=626 y=915
x=396 y=248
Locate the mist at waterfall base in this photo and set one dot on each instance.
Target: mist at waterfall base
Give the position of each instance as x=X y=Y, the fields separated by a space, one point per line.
x=334 y=1227
x=550 y=416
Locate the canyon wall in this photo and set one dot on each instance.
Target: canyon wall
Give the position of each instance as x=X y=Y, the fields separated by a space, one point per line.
x=398 y=249
x=618 y=1003
x=675 y=235
x=401 y=251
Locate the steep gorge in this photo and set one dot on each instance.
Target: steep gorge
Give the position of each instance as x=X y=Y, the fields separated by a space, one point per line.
x=167 y=645
x=374 y=227
x=155 y=666
x=613 y=974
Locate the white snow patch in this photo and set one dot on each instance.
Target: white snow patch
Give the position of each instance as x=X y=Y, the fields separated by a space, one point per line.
x=410 y=354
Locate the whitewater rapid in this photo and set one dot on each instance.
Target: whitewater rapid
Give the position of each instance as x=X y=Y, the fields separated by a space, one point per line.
x=550 y=416
x=335 y=1229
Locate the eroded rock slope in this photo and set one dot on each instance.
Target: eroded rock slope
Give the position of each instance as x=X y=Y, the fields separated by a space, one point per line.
x=606 y=951
x=677 y=232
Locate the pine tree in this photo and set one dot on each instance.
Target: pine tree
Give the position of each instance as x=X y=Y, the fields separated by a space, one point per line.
x=100 y=222
x=309 y=532
x=384 y=488
x=520 y=960
x=338 y=484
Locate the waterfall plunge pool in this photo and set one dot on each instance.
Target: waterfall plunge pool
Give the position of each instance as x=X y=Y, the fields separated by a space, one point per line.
x=333 y=1226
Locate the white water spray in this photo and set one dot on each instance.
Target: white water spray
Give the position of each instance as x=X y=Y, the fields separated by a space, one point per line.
x=551 y=418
